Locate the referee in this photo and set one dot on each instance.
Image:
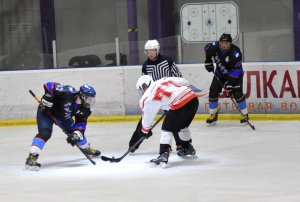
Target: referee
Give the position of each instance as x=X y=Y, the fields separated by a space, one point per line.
x=157 y=66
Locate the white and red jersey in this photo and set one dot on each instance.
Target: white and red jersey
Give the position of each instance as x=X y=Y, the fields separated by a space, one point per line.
x=169 y=93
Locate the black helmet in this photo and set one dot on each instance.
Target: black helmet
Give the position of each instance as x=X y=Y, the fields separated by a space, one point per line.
x=226 y=37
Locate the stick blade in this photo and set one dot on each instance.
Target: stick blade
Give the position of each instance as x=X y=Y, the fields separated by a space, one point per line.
x=117 y=160
x=105 y=158
x=112 y=159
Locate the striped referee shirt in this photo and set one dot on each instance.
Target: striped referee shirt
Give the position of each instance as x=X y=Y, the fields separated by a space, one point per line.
x=163 y=66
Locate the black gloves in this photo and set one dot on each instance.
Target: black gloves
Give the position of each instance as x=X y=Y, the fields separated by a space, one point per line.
x=146 y=135
x=46 y=103
x=209 y=66
x=74 y=137
x=229 y=89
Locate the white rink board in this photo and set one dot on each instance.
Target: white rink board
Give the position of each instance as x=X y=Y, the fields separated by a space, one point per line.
x=17 y=103
x=116 y=94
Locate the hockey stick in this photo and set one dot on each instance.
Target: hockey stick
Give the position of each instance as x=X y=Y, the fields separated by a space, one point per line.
x=117 y=160
x=234 y=101
x=54 y=120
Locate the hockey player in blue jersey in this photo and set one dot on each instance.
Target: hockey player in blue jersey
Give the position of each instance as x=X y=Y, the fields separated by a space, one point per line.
x=62 y=103
x=229 y=71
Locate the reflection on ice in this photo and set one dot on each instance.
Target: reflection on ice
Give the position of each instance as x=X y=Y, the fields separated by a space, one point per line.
x=234 y=164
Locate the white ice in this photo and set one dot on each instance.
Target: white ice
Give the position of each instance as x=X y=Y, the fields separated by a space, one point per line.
x=235 y=164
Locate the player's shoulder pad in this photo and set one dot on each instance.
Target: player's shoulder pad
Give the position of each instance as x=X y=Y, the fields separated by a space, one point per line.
x=212 y=45
x=53 y=87
x=178 y=80
x=70 y=89
x=215 y=44
x=236 y=52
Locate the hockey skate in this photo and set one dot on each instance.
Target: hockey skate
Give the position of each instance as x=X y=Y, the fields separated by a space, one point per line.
x=212 y=120
x=178 y=147
x=92 y=152
x=31 y=163
x=243 y=121
x=187 y=152
x=160 y=161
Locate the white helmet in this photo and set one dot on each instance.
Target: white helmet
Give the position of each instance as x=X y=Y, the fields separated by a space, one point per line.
x=152 y=44
x=143 y=81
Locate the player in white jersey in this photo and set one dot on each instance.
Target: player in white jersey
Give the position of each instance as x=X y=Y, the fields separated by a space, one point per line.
x=174 y=95
x=157 y=66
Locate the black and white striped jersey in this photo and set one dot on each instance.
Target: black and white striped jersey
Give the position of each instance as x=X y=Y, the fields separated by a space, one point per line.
x=163 y=66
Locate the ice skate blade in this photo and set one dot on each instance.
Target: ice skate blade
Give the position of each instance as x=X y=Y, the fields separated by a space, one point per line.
x=158 y=165
x=95 y=157
x=31 y=168
x=211 y=124
x=244 y=124
x=189 y=156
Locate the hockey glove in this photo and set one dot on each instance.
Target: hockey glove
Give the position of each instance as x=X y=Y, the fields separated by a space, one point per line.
x=146 y=135
x=46 y=103
x=228 y=92
x=229 y=89
x=209 y=67
x=75 y=137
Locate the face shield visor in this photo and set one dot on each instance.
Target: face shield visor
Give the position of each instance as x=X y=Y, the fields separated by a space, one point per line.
x=142 y=89
x=88 y=101
x=225 y=46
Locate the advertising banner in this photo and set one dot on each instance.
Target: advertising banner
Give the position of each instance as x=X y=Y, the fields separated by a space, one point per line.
x=269 y=88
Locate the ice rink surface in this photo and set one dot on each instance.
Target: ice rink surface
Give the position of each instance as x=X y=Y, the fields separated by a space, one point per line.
x=235 y=164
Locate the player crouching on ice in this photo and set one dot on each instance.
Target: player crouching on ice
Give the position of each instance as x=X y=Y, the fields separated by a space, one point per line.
x=174 y=95
x=62 y=102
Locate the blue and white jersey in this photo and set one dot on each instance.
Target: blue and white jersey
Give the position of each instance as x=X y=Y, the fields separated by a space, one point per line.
x=65 y=106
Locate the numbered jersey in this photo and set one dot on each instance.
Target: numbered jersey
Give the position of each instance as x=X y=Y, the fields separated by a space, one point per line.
x=169 y=93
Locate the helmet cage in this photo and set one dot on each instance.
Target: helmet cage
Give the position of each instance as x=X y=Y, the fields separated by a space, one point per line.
x=87 y=101
x=143 y=83
x=87 y=95
x=143 y=88
x=225 y=40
